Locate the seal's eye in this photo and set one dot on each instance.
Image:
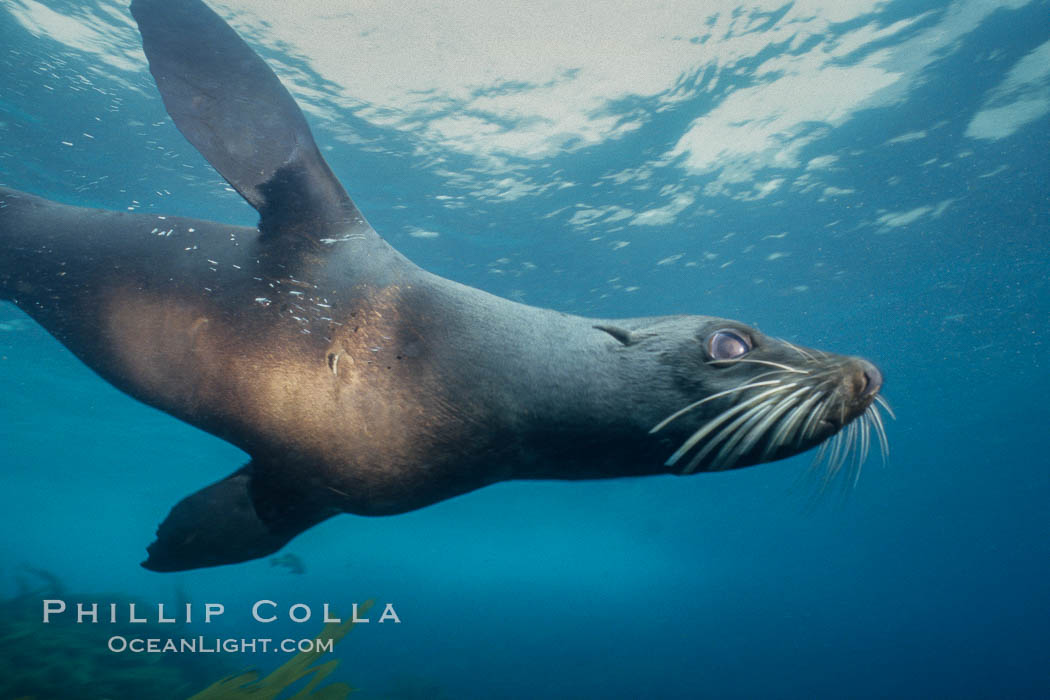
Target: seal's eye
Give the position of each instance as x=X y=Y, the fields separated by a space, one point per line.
x=727 y=345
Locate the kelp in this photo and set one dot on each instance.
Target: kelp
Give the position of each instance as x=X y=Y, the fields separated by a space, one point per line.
x=63 y=660
x=248 y=685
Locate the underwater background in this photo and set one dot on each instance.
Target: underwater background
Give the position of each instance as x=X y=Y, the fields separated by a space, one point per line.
x=865 y=177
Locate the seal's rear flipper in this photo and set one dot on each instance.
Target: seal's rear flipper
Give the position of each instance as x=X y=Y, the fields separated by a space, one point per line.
x=233 y=520
x=229 y=104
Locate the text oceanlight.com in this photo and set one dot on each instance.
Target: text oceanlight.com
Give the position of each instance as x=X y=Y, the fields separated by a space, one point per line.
x=213 y=645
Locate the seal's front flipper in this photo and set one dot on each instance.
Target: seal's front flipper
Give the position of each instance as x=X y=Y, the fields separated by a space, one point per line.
x=229 y=104
x=239 y=518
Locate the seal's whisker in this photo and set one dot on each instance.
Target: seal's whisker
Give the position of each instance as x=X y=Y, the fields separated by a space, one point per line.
x=839 y=454
x=800 y=351
x=761 y=429
x=768 y=402
x=788 y=423
x=721 y=418
x=789 y=427
x=851 y=460
x=822 y=453
x=849 y=453
x=827 y=448
x=809 y=428
x=823 y=382
x=864 y=432
x=734 y=431
x=880 y=433
x=815 y=417
x=886 y=405
x=842 y=463
x=681 y=412
x=819 y=457
x=860 y=445
x=764 y=427
x=753 y=361
x=849 y=448
x=747 y=435
x=767 y=373
x=741 y=423
x=838 y=451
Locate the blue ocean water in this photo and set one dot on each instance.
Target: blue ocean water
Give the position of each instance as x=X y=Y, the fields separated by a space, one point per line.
x=869 y=178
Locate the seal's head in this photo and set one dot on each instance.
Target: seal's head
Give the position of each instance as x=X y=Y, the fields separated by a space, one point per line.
x=751 y=398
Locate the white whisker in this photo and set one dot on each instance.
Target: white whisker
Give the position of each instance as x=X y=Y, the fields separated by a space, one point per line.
x=864 y=435
x=681 y=412
x=734 y=429
x=828 y=456
x=821 y=451
x=759 y=430
x=838 y=456
x=886 y=405
x=788 y=430
x=800 y=351
x=880 y=433
x=721 y=418
x=749 y=435
x=815 y=417
x=786 y=368
x=851 y=445
x=853 y=440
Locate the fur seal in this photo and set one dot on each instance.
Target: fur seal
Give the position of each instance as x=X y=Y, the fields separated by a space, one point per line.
x=356 y=381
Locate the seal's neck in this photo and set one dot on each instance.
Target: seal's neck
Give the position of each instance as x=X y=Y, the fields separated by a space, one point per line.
x=594 y=416
x=574 y=400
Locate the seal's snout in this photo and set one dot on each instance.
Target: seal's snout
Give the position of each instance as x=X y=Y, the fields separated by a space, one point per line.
x=780 y=401
x=872 y=379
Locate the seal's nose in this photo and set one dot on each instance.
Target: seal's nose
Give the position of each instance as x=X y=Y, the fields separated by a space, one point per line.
x=872 y=379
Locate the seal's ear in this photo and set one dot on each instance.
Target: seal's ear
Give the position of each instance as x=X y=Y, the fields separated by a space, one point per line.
x=622 y=334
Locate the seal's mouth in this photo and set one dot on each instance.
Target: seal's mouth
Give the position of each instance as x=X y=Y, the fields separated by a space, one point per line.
x=785 y=410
